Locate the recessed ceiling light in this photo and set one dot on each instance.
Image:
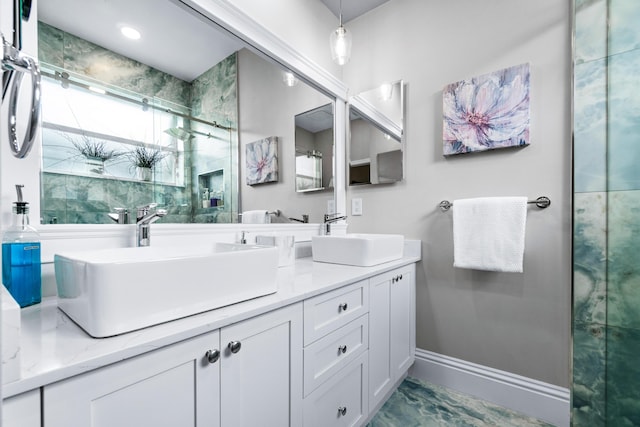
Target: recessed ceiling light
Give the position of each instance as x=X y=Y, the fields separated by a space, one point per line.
x=130 y=33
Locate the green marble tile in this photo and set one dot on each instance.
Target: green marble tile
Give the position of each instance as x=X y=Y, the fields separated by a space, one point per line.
x=588 y=387
x=623 y=124
x=93 y=61
x=590 y=126
x=623 y=377
x=590 y=30
x=51 y=216
x=419 y=404
x=623 y=292
x=589 y=258
x=624 y=34
x=50 y=45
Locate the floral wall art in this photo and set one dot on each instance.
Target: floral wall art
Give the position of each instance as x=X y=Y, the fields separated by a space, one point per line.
x=487 y=112
x=262 y=161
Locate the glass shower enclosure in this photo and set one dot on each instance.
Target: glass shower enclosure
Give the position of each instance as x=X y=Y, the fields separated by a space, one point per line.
x=606 y=200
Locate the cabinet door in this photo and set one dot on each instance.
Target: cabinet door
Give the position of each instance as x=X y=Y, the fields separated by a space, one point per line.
x=22 y=410
x=173 y=386
x=380 y=375
x=392 y=342
x=261 y=374
x=402 y=304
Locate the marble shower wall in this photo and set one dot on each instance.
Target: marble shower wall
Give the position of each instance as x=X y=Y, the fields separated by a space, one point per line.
x=213 y=96
x=606 y=311
x=215 y=99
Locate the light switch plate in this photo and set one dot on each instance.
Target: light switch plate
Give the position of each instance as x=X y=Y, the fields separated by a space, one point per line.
x=331 y=206
x=356 y=207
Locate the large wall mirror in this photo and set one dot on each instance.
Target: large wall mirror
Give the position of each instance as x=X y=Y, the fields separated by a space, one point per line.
x=174 y=114
x=376 y=128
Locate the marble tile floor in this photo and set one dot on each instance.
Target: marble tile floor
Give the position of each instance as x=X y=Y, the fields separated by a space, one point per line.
x=421 y=404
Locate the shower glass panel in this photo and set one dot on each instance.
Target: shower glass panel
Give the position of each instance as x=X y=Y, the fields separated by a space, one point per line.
x=606 y=288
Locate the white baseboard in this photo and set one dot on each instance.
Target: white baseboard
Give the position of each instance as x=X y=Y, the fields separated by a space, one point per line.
x=531 y=397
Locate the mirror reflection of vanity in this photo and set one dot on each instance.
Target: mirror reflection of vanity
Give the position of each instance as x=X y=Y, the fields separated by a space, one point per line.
x=191 y=100
x=376 y=126
x=314 y=149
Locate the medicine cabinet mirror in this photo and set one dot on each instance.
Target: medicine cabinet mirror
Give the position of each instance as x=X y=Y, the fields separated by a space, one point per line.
x=376 y=128
x=164 y=117
x=314 y=149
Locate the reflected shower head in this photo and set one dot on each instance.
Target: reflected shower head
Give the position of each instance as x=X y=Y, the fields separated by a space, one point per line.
x=180 y=133
x=185 y=134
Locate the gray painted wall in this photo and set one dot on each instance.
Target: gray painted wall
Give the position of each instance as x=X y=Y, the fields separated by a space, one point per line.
x=268 y=108
x=514 y=322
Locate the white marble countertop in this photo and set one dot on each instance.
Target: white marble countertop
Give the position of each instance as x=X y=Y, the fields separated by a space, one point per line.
x=54 y=348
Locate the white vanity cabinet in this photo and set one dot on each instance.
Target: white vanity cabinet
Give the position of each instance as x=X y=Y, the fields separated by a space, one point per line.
x=173 y=386
x=392 y=326
x=327 y=361
x=22 y=410
x=245 y=374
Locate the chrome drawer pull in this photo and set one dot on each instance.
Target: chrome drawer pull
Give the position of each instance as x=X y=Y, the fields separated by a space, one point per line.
x=234 y=346
x=342 y=349
x=342 y=411
x=343 y=307
x=212 y=356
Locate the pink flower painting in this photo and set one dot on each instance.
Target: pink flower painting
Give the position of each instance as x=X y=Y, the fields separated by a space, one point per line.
x=262 y=161
x=487 y=112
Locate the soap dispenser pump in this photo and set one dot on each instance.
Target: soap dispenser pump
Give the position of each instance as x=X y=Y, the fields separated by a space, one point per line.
x=21 y=270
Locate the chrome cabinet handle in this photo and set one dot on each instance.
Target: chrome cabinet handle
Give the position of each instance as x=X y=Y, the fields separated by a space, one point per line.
x=342 y=349
x=19 y=64
x=342 y=411
x=343 y=306
x=234 y=346
x=212 y=355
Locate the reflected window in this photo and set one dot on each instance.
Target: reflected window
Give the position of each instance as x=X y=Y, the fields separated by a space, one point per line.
x=90 y=131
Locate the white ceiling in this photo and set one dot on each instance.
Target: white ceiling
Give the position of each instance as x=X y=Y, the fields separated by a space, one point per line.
x=351 y=9
x=170 y=36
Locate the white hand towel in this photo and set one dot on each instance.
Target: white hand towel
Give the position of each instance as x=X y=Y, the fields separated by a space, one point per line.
x=488 y=233
x=256 y=217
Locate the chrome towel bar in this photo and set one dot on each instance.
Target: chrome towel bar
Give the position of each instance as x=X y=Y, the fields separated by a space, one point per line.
x=541 y=202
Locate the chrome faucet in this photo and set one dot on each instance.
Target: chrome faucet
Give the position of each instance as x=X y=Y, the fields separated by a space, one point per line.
x=330 y=219
x=120 y=215
x=304 y=220
x=144 y=218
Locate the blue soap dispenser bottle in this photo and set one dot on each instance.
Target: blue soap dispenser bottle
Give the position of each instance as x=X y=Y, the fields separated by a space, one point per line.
x=21 y=256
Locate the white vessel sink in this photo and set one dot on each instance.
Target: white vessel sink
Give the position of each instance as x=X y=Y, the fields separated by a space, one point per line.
x=363 y=250
x=113 y=291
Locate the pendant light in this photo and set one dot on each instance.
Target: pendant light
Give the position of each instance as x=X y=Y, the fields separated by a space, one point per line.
x=340 y=43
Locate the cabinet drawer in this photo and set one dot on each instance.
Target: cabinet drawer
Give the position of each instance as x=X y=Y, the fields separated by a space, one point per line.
x=329 y=311
x=333 y=352
x=342 y=400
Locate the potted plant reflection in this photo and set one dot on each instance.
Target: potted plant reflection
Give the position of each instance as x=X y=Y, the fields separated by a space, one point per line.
x=143 y=160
